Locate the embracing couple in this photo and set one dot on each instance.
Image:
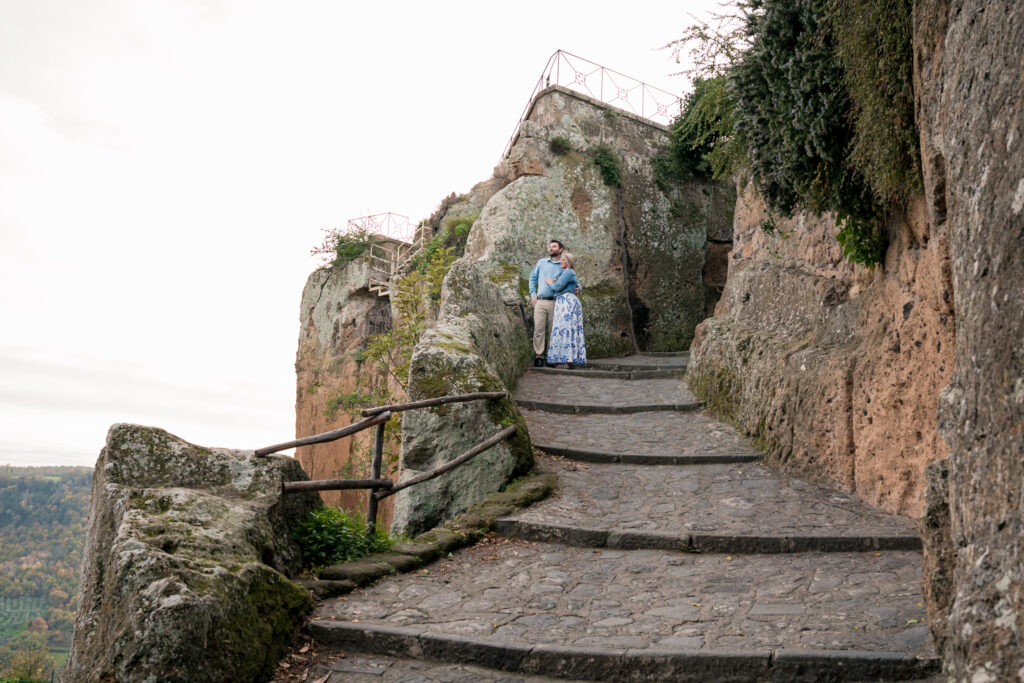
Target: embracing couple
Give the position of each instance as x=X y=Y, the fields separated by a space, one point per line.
x=557 y=313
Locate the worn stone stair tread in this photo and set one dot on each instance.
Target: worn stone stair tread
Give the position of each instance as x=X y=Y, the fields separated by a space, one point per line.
x=540 y=607
x=627 y=363
x=337 y=664
x=599 y=663
x=712 y=508
x=632 y=539
x=690 y=435
x=580 y=396
x=606 y=457
x=665 y=354
x=668 y=373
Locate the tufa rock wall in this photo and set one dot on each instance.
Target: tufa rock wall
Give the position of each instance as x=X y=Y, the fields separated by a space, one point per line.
x=185 y=563
x=969 y=76
x=827 y=364
x=338 y=313
x=641 y=251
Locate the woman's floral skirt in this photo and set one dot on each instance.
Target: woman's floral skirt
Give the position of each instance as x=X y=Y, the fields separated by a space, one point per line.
x=567 y=344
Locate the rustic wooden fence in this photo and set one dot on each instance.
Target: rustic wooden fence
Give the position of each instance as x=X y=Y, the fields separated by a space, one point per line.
x=381 y=487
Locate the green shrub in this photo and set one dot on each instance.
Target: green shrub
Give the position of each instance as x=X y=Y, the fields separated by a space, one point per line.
x=605 y=160
x=560 y=145
x=793 y=109
x=452 y=236
x=340 y=248
x=332 y=535
x=701 y=142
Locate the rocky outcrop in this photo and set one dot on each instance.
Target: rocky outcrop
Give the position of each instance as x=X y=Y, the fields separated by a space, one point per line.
x=338 y=314
x=971 y=94
x=827 y=364
x=185 y=563
x=641 y=250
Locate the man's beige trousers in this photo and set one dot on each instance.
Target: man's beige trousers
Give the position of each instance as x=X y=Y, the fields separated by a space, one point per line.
x=543 y=317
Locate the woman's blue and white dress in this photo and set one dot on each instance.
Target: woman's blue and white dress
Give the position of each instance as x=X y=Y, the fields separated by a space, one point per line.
x=567 y=344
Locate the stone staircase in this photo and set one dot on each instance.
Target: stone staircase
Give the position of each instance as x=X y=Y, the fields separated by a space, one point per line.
x=667 y=553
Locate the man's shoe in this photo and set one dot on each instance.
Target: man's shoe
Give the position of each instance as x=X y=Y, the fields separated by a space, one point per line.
x=538 y=362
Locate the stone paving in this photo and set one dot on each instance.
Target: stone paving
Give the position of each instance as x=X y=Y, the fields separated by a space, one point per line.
x=605 y=393
x=603 y=604
x=545 y=593
x=653 y=435
x=747 y=499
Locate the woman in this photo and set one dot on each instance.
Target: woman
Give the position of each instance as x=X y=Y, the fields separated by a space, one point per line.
x=566 y=348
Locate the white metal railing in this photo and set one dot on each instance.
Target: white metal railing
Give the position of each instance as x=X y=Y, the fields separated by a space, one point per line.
x=603 y=84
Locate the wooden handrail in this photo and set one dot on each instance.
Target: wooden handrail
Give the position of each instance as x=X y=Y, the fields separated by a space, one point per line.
x=441 y=400
x=327 y=436
x=448 y=466
x=335 y=485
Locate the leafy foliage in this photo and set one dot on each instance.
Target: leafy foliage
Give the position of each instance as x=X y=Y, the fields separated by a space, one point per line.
x=332 y=535
x=452 y=236
x=341 y=247
x=814 y=99
x=605 y=160
x=702 y=143
x=43 y=513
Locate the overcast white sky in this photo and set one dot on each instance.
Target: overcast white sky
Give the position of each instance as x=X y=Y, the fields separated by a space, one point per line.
x=167 y=165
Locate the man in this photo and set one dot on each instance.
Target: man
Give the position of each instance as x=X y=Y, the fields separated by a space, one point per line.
x=542 y=298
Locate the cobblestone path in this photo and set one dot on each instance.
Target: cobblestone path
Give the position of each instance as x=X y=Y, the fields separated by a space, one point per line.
x=665 y=554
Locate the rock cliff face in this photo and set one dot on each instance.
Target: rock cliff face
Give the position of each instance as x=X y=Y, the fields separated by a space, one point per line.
x=970 y=82
x=828 y=364
x=185 y=563
x=853 y=376
x=338 y=313
x=642 y=254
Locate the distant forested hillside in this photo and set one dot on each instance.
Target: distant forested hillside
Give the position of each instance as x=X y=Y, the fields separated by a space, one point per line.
x=43 y=513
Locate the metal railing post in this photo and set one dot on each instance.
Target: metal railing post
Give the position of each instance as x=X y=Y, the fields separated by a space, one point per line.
x=375 y=464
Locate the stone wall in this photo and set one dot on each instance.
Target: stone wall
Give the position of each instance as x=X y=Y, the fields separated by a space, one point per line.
x=863 y=378
x=835 y=369
x=970 y=87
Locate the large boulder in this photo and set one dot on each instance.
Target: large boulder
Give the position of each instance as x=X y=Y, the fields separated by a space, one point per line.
x=479 y=344
x=186 y=559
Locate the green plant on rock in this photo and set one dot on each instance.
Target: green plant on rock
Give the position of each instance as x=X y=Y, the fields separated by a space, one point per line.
x=341 y=247
x=452 y=235
x=560 y=145
x=331 y=535
x=606 y=161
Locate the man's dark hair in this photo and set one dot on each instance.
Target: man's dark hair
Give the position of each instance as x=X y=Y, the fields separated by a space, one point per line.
x=558 y=242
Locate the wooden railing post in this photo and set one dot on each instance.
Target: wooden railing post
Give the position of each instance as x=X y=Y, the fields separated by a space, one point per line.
x=375 y=464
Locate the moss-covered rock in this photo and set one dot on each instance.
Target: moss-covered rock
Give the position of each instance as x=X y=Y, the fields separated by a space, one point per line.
x=186 y=557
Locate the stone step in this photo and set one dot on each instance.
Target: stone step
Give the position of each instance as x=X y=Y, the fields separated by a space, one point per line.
x=634 y=539
x=670 y=373
x=582 y=396
x=713 y=508
x=665 y=354
x=647 y=614
x=671 y=438
x=598 y=456
x=630 y=363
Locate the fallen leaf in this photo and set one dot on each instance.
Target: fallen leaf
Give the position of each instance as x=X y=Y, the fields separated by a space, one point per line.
x=304 y=648
x=911 y=621
x=695 y=604
x=322 y=679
